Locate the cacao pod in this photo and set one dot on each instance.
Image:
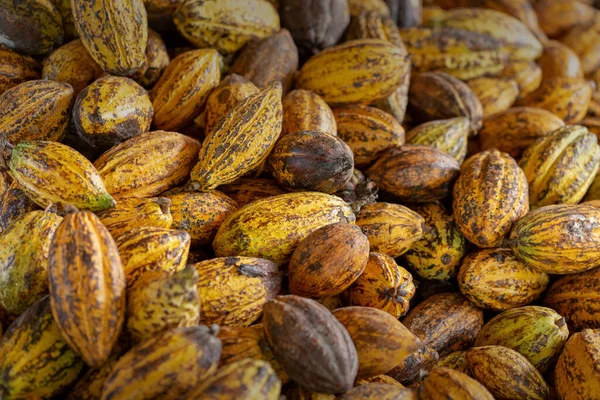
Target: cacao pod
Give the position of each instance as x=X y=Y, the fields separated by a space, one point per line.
x=409 y=371
x=527 y=74
x=557 y=16
x=13 y=204
x=157 y=59
x=445 y=383
x=447 y=135
x=380 y=391
x=137 y=213
x=495 y=94
x=89 y=386
x=576 y=375
x=16 y=68
x=559 y=60
x=304 y=110
x=247 y=190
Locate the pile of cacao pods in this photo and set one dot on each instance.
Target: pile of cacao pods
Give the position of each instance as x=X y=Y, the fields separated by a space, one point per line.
x=299 y=199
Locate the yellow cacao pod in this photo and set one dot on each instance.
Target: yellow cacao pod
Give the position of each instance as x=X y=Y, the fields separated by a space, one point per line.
x=16 y=68
x=135 y=213
x=447 y=135
x=374 y=25
x=13 y=204
x=246 y=190
x=559 y=60
x=558 y=16
x=576 y=375
x=443 y=383
x=495 y=95
x=304 y=110
x=89 y=386
x=157 y=59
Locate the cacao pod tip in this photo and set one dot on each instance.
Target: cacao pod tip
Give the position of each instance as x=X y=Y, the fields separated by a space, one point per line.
x=164 y=203
x=423 y=374
x=508 y=243
x=68 y=208
x=560 y=322
x=192 y=186
x=51 y=208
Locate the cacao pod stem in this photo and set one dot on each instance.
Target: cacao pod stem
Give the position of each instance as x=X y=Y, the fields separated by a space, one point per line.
x=164 y=204
x=68 y=208
x=508 y=243
x=560 y=322
x=366 y=193
x=192 y=186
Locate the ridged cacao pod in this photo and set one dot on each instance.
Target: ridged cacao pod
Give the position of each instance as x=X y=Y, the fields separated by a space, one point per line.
x=87 y=286
x=35 y=110
x=271 y=228
x=137 y=213
x=311 y=161
x=114 y=33
x=415 y=173
x=383 y=285
x=538 y=333
x=157 y=59
x=233 y=290
x=36 y=361
x=225 y=25
x=13 y=204
x=304 y=110
x=381 y=341
x=368 y=131
x=556 y=17
x=558 y=60
x=576 y=375
x=521 y=10
x=484 y=219
x=294 y=324
x=409 y=371
x=559 y=239
x=379 y=391
x=514 y=130
x=495 y=94
x=455 y=360
x=390 y=228
x=446 y=322
x=248 y=190
x=169 y=155
x=506 y=373
x=89 y=386
x=447 y=135
x=527 y=74
x=437 y=255
x=445 y=383
x=16 y=68
x=241 y=141
x=495 y=279
x=328 y=261
x=50 y=172
x=374 y=25
x=168 y=366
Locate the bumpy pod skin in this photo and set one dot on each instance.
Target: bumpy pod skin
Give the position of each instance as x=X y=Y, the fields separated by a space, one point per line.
x=152 y=249
x=295 y=325
x=114 y=33
x=272 y=227
x=304 y=110
x=36 y=361
x=416 y=174
x=383 y=285
x=460 y=53
x=35 y=110
x=245 y=379
x=225 y=25
x=233 y=290
x=381 y=341
x=447 y=135
x=241 y=141
x=247 y=190
x=358 y=71
x=437 y=255
x=311 y=161
x=495 y=94
x=24 y=248
x=328 y=261
x=490 y=194
x=506 y=373
x=561 y=166
x=200 y=214
x=445 y=383
x=233 y=89
x=516 y=129
x=87 y=286
x=515 y=38
x=368 y=131
x=381 y=391
x=409 y=371
x=111 y=110
x=167 y=366
x=33 y=27
x=240 y=343
x=576 y=374
x=72 y=64
x=13 y=204
x=89 y=386
x=135 y=213
x=159 y=301
x=274 y=58
x=50 y=172
x=157 y=59
x=576 y=298
x=148 y=164
x=181 y=92
x=391 y=228
x=16 y=68
x=495 y=279
x=538 y=333
x=446 y=322
x=559 y=239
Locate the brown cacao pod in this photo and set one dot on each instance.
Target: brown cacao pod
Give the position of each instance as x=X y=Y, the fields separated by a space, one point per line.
x=445 y=322
x=445 y=383
x=374 y=25
x=157 y=59
x=409 y=371
x=13 y=204
x=312 y=161
x=558 y=60
x=89 y=386
x=294 y=324
x=415 y=173
x=304 y=110
x=16 y=68
x=87 y=286
x=247 y=190
x=455 y=360
x=557 y=16
x=583 y=40
x=328 y=261
x=576 y=375
x=379 y=391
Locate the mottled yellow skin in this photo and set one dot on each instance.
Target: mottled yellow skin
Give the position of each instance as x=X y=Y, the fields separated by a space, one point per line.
x=448 y=135
x=559 y=59
x=304 y=110
x=358 y=71
x=576 y=373
x=521 y=10
x=180 y=93
x=245 y=379
x=527 y=74
x=374 y=25
x=495 y=95
x=50 y=172
x=455 y=360
x=380 y=391
x=36 y=362
x=114 y=33
x=89 y=386
x=148 y=164
x=445 y=383
x=16 y=68
x=165 y=367
x=556 y=17
x=225 y=25
x=247 y=190
x=358 y=7
x=35 y=110
x=24 y=248
x=584 y=42
x=380 y=379
x=233 y=290
x=137 y=213
x=13 y=204
x=272 y=227
x=157 y=59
